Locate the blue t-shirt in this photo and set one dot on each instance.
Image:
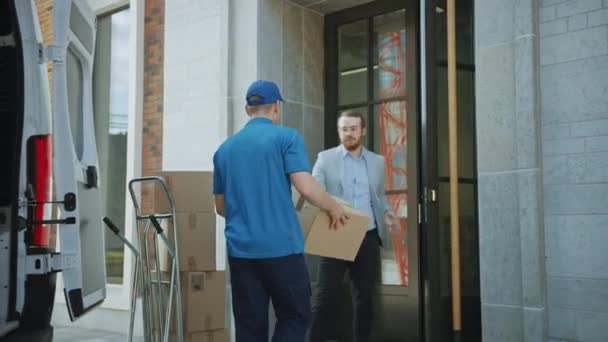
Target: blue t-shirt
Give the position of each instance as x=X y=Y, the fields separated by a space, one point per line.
x=252 y=170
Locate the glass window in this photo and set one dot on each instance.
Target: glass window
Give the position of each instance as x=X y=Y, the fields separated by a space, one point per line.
x=352 y=62
x=466 y=122
x=390 y=140
x=469 y=239
x=465 y=32
x=111 y=108
x=389 y=55
x=75 y=95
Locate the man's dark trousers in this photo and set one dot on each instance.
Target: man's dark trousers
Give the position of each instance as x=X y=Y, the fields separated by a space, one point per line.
x=364 y=274
x=255 y=282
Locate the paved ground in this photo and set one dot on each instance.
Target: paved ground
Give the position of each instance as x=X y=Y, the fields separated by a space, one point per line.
x=74 y=334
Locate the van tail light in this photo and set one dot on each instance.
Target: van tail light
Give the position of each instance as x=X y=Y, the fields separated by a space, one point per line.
x=40 y=172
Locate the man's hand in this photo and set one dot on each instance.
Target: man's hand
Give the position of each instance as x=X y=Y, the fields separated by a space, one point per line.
x=220 y=205
x=392 y=222
x=337 y=215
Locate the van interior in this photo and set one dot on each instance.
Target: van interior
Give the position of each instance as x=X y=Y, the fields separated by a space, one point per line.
x=11 y=103
x=11 y=123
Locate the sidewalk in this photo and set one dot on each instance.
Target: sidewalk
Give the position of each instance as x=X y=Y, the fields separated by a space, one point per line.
x=76 y=334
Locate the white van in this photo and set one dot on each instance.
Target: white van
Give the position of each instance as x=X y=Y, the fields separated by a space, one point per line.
x=48 y=164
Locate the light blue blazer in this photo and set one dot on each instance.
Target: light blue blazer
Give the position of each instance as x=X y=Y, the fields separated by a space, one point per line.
x=328 y=171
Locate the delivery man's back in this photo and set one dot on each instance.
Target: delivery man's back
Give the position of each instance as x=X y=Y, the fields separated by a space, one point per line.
x=265 y=243
x=254 y=167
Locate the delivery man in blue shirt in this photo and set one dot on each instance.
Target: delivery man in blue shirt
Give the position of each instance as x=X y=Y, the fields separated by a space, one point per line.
x=253 y=173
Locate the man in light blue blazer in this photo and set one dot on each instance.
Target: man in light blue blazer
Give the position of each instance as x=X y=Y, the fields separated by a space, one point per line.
x=355 y=174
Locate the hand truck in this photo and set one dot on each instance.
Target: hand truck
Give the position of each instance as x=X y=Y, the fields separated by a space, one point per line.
x=156 y=306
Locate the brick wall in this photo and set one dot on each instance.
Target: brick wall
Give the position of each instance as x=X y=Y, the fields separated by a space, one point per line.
x=153 y=93
x=574 y=83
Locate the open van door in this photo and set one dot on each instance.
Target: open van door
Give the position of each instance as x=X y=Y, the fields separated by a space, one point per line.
x=81 y=232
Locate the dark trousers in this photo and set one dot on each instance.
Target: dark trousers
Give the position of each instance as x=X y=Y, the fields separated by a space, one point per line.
x=364 y=275
x=255 y=282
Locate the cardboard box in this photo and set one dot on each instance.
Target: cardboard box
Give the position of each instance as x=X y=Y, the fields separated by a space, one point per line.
x=209 y=336
x=204 y=336
x=196 y=242
x=192 y=192
x=203 y=300
x=342 y=243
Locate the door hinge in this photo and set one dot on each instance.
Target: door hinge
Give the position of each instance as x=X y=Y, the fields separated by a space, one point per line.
x=54 y=53
x=49 y=263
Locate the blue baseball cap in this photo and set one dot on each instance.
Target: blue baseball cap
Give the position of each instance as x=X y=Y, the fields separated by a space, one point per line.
x=263 y=92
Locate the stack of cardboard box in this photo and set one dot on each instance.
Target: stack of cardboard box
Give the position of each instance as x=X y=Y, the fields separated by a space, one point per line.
x=203 y=287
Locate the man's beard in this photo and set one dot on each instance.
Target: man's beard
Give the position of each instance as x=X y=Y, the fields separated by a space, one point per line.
x=352 y=144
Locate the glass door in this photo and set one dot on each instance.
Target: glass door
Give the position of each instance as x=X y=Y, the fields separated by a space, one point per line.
x=371 y=67
x=435 y=237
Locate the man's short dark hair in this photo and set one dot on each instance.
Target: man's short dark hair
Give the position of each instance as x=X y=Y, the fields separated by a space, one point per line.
x=353 y=114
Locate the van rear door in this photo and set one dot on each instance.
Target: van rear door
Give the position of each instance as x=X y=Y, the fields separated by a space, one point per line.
x=75 y=163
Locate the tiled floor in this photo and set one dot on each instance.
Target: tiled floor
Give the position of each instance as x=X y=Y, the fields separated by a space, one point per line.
x=74 y=334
